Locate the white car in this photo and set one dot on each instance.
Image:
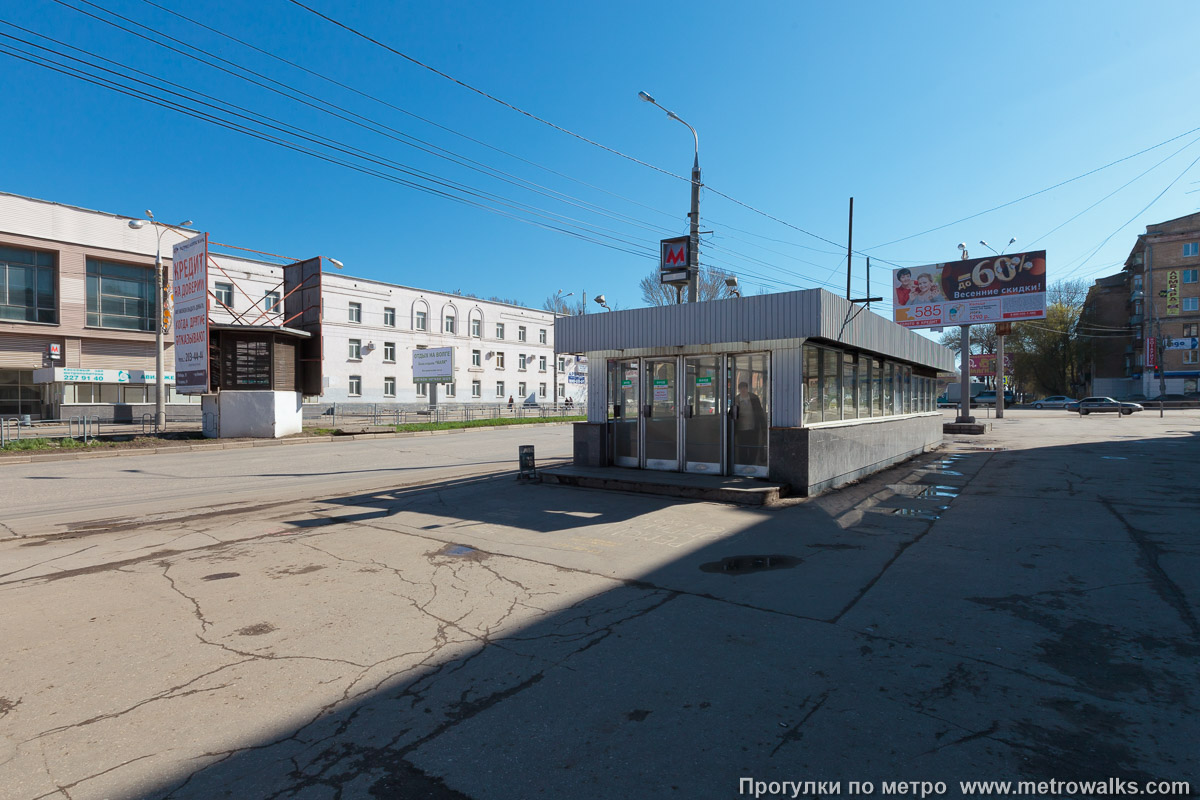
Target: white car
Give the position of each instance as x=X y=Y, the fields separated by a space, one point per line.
x=1055 y=401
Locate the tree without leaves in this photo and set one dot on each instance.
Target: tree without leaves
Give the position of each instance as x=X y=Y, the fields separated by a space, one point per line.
x=563 y=305
x=711 y=286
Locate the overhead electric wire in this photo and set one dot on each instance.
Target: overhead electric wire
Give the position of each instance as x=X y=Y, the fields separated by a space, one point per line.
x=339 y=112
x=104 y=83
x=395 y=165
x=405 y=111
x=1035 y=194
x=1144 y=209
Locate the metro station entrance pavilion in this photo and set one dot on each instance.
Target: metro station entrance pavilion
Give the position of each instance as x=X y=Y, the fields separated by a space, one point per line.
x=803 y=388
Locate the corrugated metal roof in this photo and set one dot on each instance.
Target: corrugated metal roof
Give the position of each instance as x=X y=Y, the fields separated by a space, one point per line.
x=805 y=314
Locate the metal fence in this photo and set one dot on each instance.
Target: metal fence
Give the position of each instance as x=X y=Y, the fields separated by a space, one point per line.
x=374 y=415
x=15 y=429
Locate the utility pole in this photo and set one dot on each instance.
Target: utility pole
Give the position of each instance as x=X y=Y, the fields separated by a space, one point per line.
x=850 y=248
x=694 y=250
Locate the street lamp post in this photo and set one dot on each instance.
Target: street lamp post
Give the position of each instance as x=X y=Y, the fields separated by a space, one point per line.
x=160 y=388
x=694 y=214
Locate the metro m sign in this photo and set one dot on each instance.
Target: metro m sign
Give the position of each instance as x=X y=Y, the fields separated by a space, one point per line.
x=673 y=268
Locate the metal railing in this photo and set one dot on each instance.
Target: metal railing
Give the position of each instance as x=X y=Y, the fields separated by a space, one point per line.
x=15 y=429
x=362 y=415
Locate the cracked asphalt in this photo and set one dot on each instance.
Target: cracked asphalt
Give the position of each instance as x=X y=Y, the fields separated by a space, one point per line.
x=404 y=619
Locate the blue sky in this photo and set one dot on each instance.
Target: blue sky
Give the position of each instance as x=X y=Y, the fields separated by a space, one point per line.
x=926 y=113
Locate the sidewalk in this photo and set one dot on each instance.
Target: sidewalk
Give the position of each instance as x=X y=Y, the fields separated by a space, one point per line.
x=1020 y=606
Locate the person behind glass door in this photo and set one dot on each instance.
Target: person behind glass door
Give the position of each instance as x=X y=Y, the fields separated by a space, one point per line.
x=750 y=426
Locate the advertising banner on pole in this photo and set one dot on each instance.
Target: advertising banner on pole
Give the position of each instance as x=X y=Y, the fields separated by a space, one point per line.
x=985 y=364
x=1151 y=352
x=189 y=282
x=977 y=290
x=433 y=365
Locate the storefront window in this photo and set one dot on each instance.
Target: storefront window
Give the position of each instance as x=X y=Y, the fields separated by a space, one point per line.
x=877 y=381
x=120 y=296
x=812 y=384
x=864 y=387
x=831 y=383
x=27 y=286
x=849 y=386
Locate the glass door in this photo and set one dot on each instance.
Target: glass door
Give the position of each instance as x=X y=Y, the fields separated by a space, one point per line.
x=703 y=414
x=749 y=414
x=623 y=411
x=661 y=417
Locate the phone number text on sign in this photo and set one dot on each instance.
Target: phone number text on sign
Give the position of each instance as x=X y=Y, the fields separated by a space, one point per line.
x=920 y=316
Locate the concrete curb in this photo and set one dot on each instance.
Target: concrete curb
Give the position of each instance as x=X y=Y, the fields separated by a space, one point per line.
x=218 y=445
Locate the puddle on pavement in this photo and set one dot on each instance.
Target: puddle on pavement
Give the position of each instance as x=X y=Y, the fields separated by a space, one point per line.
x=1114 y=458
x=741 y=565
x=457 y=550
x=986 y=449
x=915 y=513
x=937 y=490
x=220 y=576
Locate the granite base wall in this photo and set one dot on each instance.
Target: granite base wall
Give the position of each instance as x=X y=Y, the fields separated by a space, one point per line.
x=591 y=444
x=824 y=457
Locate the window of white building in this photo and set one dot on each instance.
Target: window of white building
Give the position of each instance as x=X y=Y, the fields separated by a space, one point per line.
x=389 y=351
x=477 y=328
x=499 y=330
x=476 y=358
x=271 y=301
x=355 y=314
x=421 y=321
x=354 y=383
x=355 y=350
x=542 y=335
x=541 y=363
x=521 y=333
x=389 y=387
x=224 y=293
x=499 y=360
x=389 y=317
x=449 y=323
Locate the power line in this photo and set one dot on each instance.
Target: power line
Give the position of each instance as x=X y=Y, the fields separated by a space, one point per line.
x=1035 y=194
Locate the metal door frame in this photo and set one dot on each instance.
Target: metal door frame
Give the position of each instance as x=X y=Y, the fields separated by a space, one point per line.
x=634 y=462
x=723 y=462
x=647 y=386
x=731 y=395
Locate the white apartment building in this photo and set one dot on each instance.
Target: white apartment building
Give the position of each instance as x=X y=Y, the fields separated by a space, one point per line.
x=77 y=311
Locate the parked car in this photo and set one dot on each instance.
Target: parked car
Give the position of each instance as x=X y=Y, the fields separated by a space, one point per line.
x=989 y=399
x=1089 y=404
x=1054 y=401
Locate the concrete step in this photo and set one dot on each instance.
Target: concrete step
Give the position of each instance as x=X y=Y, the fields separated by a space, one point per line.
x=713 y=488
x=970 y=428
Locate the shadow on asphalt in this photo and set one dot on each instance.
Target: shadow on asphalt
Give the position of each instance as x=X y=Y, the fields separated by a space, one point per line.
x=1013 y=644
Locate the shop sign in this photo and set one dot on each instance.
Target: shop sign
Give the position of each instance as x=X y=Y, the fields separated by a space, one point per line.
x=982 y=290
x=1151 y=352
x=1173 y=293
x=56 y=351
x=583 y=379
x=1182 y=344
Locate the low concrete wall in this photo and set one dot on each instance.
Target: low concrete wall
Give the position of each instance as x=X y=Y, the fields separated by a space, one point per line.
x=825 y=456
x=132 y=412
x=591 y=444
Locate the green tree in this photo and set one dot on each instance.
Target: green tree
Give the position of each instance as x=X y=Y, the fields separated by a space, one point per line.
x=1048 y=352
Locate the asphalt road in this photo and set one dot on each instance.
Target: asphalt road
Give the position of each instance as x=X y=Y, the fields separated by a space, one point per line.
x=1020 y=606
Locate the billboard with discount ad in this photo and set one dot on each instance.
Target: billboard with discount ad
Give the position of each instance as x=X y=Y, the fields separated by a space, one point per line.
x=433 y=365
x=977 y=290
x=189 y=282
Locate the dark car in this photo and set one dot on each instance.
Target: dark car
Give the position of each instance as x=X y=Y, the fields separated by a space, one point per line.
x=1101 y=404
